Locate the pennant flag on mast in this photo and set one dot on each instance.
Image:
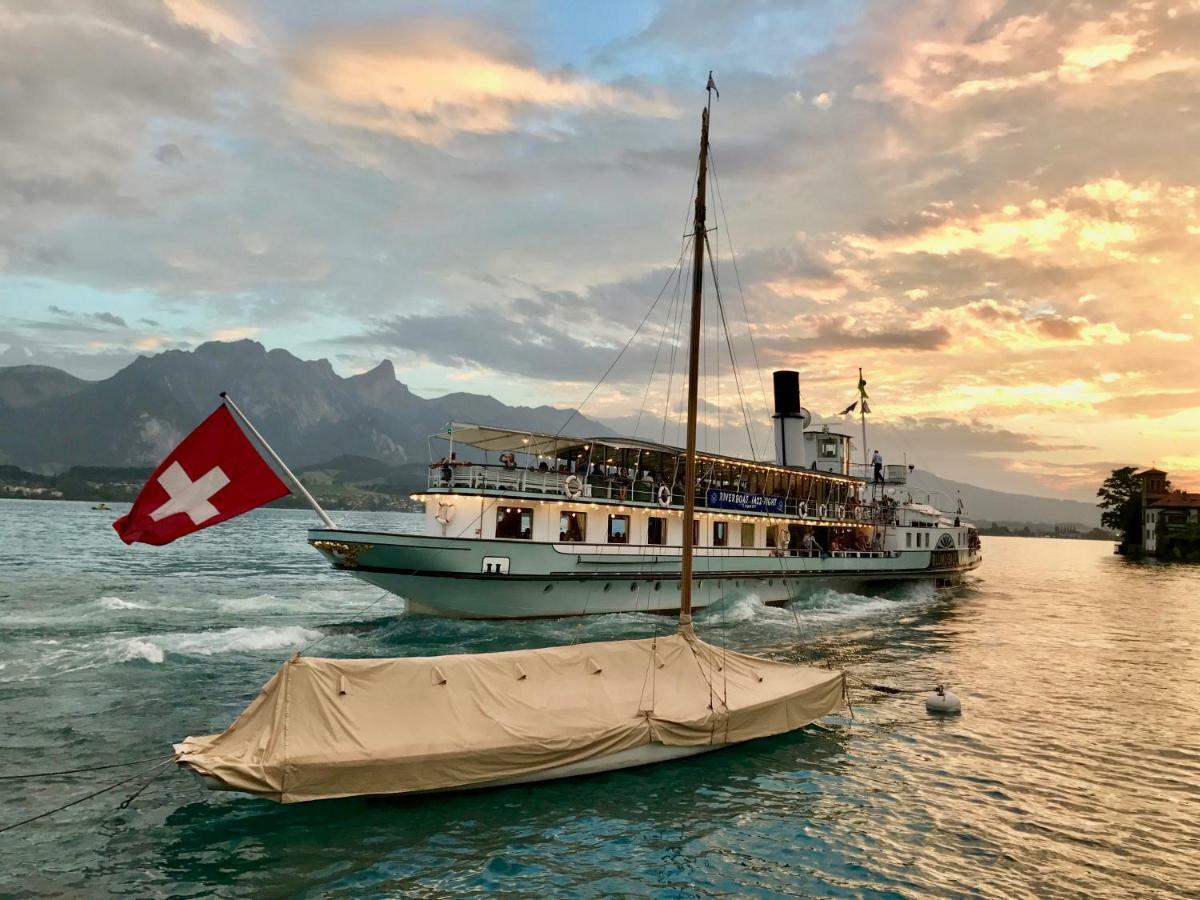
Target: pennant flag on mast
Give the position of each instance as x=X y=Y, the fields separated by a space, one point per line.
x=712 y=85
x=862 y=393
x=849 y=409
x=214 y=475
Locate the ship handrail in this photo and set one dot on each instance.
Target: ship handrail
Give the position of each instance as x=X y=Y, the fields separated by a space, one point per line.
x=489 y=477
x=670 y=551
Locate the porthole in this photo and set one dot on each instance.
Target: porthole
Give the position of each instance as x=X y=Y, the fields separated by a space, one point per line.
x=547 y=589
x=658 y=585
x=607 y=586
x=633 y=586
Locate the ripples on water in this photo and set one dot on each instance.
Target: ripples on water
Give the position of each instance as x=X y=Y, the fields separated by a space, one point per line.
x=1074 y=769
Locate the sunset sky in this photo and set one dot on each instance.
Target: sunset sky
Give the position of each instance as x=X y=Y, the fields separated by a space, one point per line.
x=991 y=207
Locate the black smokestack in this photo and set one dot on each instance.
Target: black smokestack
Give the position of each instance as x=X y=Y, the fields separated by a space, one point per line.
x=787 y=393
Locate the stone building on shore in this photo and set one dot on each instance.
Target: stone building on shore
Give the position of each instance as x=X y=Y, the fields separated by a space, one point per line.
x=1170 y=519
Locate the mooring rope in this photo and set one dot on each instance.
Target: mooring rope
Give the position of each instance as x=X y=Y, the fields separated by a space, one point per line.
x=349 y=618
x=78 y=800
x=888 y=689
x=26 y=775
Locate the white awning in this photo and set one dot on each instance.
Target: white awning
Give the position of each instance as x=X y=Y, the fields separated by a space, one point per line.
x=487 y=437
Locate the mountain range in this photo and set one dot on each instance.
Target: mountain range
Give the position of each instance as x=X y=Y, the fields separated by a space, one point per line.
x=51 y=420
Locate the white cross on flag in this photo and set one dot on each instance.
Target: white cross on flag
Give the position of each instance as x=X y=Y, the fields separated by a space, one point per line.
x=214 y=475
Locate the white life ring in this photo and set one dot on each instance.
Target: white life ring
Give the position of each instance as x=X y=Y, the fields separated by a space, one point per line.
x=572 y=486
x=664 y=495
x=822 y=511
x=445 y=514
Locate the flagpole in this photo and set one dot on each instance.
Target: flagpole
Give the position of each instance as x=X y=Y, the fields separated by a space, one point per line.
x=862 y=411
x=301 y=489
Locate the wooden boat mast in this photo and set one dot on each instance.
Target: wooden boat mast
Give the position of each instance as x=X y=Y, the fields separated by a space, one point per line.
x=689 y=479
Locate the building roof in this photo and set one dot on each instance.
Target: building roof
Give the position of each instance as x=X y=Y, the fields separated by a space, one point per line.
x=1151 y=471
x=1175 y=500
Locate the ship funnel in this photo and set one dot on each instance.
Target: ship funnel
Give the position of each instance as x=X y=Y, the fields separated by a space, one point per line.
x=790 y=420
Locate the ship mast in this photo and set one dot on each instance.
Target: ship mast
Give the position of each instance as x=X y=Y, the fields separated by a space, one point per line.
x=689 y=479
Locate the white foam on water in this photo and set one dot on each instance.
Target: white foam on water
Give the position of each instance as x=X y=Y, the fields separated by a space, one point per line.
x=744 y=607
x=136 y=649
x=257 y=603
x=831 y=607
x=236 y=640
x=331 y=600
x=118 y=603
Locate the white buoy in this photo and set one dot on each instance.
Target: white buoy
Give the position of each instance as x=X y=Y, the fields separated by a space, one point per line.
x=943 y=701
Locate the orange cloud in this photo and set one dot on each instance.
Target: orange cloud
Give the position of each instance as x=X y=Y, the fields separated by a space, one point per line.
x=429 y=86
x=214 y=19
x=1110 y=227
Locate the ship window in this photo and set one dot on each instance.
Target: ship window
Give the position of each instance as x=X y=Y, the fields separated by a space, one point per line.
x=908 y=540
x=618 y=529
x=572 y=526
x=771 y=539
x=514 y=522
x=827 y=448
x=656 y=531
x=720 y=534
x=747 y=534
x=695 y=532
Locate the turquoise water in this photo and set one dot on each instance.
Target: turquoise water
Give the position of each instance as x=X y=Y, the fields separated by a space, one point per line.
x=1074 y=770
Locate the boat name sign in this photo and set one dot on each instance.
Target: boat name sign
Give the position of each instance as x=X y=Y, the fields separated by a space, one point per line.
x=719 y=499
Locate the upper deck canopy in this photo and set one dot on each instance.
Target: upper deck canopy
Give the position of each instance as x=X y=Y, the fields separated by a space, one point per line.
x=492 y=438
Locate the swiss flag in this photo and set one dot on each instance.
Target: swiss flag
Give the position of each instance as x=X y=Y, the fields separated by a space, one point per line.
x=214 y=475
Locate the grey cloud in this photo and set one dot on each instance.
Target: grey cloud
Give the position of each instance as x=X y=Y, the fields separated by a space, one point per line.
x=169 y=154
x=110 y=318
x=79 y=320
x=491 y=339
x=832 y=334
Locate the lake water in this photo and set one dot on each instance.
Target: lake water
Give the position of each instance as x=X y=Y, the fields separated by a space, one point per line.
x=1074 y=770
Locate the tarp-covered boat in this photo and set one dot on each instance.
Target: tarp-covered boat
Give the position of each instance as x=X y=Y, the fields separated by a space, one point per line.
x=324 y=728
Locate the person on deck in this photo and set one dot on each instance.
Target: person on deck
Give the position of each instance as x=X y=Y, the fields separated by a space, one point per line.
x=877 y=462
x=809 y=543
x=446 y=463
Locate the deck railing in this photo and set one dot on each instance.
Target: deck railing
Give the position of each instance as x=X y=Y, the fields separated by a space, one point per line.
x=480 y=477
x=891 y=474
x=618 y=549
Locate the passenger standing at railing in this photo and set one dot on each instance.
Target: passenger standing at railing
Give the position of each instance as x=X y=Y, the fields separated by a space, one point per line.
x=446 y=463
x=809 y=543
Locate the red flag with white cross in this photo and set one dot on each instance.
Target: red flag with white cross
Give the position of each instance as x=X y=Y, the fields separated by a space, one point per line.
x=214 y=475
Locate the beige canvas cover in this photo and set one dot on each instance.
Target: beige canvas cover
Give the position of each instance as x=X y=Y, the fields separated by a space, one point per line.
x=325 y=728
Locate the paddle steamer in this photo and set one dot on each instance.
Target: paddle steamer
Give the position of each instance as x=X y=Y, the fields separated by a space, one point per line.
x=520 y=524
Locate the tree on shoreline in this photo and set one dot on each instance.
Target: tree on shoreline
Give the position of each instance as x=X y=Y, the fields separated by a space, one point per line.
x=1121 y=499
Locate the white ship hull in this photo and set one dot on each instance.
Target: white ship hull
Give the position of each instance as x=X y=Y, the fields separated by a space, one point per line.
x=450 y=577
